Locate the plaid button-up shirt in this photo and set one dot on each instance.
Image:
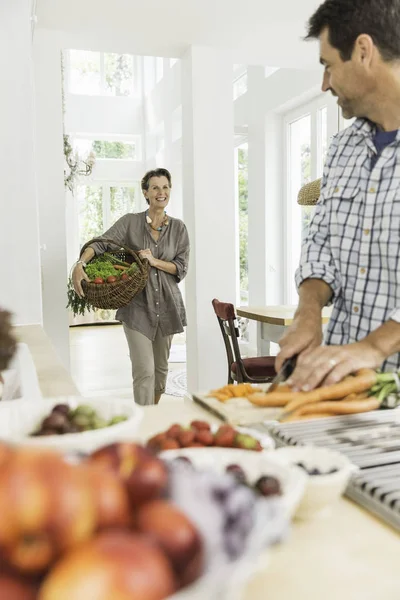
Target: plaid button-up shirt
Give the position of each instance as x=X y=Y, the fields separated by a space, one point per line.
x=353 y=243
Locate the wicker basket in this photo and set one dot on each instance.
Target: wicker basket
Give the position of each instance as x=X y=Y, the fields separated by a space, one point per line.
x=118 y=294
x=309 y=193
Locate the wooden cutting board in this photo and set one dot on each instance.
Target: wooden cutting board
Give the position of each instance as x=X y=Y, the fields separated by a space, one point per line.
x=237 y=411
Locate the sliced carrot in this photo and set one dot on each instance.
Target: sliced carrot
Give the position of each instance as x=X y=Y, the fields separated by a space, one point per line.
x=267 y=400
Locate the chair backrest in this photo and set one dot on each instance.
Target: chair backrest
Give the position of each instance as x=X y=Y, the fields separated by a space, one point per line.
x=226 y=318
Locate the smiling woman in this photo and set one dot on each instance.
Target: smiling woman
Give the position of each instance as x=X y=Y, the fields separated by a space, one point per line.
x=153 y=316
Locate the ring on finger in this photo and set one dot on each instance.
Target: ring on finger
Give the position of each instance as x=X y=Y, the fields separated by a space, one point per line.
x=332 y=363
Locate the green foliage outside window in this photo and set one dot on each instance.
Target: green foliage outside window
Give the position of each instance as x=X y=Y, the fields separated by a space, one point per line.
x=104 y=149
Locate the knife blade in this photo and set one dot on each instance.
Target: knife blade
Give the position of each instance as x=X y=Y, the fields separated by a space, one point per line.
x=284 y=373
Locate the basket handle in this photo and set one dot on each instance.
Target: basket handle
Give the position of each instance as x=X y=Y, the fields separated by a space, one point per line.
x=140 y=261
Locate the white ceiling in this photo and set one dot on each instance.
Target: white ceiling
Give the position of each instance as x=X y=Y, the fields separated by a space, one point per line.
x=265 y=32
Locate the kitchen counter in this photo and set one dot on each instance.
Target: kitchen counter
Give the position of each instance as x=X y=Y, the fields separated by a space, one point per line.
x=54 y=379
x=348 y=555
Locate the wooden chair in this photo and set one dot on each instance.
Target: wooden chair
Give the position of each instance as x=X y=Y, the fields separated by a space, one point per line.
x=259 y=369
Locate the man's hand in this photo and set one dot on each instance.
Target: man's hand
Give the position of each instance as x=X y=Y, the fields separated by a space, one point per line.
x=78 y=274
x=303 y=336
x=330 y=364
x=148 y=254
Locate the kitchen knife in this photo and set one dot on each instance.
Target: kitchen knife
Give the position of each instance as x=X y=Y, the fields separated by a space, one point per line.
x=285 y=372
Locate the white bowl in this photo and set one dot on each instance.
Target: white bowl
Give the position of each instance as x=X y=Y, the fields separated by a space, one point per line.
x=19 y=418
x=254 y=464
x=321 y=490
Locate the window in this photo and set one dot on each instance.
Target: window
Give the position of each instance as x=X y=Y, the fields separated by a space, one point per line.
x=84 y=72
x=108 y=149
x=90 y=212
x=307 y=133
x=241 y=153
x=99 y=206
x=99 y=73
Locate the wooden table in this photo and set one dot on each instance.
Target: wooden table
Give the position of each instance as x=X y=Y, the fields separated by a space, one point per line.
x=272 y=322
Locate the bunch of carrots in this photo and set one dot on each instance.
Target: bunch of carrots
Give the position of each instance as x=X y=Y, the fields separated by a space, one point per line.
x=364 y=391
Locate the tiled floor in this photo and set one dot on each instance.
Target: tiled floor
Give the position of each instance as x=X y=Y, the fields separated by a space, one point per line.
x=100 y=362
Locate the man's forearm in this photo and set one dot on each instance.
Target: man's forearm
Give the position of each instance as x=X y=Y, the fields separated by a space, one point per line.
x=385 y=339
x=314 y=294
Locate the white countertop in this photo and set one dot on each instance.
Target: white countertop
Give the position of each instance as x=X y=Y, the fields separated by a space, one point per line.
x=349 y=555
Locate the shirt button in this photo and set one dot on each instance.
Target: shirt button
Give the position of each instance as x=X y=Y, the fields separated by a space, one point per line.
x=157 y=315
x=156 y=302
x=362 y=270
x=156 y=289
x=156 y=246
x=356 y=309
x=367 y=231
x=372 y=190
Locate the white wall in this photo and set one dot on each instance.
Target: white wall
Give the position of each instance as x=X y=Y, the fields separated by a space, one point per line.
x=52 y=199
x=20 y=289
x=113 y=114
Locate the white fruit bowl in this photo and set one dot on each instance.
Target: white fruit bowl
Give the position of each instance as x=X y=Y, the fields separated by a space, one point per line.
x=19 y=418
x=254 y=464
x=322 y=490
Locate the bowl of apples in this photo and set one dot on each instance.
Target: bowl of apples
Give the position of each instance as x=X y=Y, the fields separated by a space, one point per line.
x=124 y=523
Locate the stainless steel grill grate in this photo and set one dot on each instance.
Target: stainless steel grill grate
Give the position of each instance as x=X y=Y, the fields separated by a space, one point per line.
x=371 y=441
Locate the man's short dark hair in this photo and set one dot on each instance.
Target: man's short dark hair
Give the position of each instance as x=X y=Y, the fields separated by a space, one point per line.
x=347 y=19
x=155 y=173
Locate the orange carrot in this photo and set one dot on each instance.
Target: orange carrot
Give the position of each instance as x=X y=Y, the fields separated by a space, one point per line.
x=341 y=407
x=363 y=380
x=268 y=400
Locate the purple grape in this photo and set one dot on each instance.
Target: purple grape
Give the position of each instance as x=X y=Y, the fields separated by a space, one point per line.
x=237 y=472
x=268 y=486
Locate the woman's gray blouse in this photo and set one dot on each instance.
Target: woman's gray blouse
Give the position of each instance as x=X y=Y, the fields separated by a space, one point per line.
x=160 y=304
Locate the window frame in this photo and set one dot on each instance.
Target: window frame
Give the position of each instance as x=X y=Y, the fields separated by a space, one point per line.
x=292 y=214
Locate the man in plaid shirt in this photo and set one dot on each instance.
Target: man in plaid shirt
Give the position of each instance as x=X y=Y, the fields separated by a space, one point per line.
x=351 y=256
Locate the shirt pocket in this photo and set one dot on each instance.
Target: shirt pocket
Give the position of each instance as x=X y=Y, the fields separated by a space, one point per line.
x=344 y=206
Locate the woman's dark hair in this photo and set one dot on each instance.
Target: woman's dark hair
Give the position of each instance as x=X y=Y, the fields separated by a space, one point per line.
x=155 y=173
x=347 y=19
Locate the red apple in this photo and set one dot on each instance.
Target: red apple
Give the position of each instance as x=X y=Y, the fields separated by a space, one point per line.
x=145 y=475
x=46 y=506
x=176 y=534
x=111 y=498
x=112 y=566
x=14 y=588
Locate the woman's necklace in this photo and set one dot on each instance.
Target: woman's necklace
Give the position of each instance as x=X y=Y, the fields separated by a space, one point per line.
x=164 y=223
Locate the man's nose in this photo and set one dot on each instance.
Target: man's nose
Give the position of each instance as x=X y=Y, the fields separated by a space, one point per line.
x=325 y=83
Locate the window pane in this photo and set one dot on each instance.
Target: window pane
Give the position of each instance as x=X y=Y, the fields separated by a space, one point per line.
x=322 y=139
x=243 y=222
x=240 y=86
x=122 y=201
x=104 y=149
x=299 y=175
x=90 y=209
x=84 y=72
x=118 y=74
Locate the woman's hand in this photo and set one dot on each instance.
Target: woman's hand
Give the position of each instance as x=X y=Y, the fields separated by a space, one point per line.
x=147 y=254
x=78 y=274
